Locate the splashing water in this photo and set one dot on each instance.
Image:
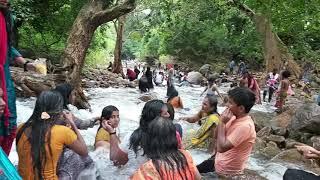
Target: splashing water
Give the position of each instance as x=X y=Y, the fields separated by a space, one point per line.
x=130 y=107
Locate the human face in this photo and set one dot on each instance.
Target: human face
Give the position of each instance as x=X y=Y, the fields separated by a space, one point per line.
x=2 y=103
x=206 y=105
x=114 y=119
x=164 y=112
x=234 y=108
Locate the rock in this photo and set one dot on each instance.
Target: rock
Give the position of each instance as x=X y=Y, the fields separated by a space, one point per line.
x=194 y=77
x=270 y=150
x=284 y=119
x=205 y=69
x=306 y=119
x=147 y=97
x=280 y=131
x=316 y=142
x=259 y=144
x=279 y=140
x=248 y=175
x=90 y=83
x=290 y=156
x=266 y=131
x=290 y=143
x=261 y=119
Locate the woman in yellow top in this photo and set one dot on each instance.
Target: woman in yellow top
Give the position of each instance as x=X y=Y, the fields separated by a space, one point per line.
x=110 y=114
x=208 y=118
x=40 y=142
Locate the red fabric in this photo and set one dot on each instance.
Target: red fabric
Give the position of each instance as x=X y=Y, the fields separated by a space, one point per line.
x=131 y=74
x=3 y=56
x=169 y=66
x=6 y=142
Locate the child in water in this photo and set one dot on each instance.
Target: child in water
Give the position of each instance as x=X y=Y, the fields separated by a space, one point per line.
x=110 y=115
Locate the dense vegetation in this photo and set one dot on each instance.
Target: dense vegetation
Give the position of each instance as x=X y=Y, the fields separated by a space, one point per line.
x=185 y=30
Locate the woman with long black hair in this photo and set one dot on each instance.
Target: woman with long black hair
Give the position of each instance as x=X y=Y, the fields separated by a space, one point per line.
x=166 y=161
x=40 y=141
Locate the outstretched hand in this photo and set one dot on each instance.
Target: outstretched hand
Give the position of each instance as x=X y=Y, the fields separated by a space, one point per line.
x=308 y=151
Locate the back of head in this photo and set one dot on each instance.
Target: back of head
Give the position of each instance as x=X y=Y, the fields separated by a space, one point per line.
x=243 y=97
x=172 y=92
x=161 y=146
x=65 y=90
x=286 y=74
x=150 y=111
x=49 y=103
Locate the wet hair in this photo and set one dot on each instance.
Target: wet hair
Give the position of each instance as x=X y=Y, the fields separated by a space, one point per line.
x=107 y=113
x=170 y=111
x=65 y=90
x=211 y=80
x=213 y=102
x=171 y=93
x=143 y=84
x=161 y=146
x=150 y=111
x=286 y=74
x=38 y=130
x=243 y=97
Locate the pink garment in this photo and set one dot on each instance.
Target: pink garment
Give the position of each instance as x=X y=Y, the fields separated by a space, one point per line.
x=3 y=56
x=241 y=133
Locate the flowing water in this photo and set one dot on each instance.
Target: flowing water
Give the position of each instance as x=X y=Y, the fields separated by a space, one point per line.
x=130 y=107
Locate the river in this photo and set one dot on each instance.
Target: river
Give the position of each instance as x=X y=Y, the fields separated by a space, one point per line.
x=130 y=107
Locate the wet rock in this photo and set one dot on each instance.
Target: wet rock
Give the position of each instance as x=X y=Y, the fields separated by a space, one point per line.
x=259 y=144
x=270 y=150
x=247 y=175
x=284 y=119
x=261 y=119
x=90 y=84
x=306 y=119
x=147 y=97
x=275 y=138
x=194 y=77
x=290 y=156
x=266 y=131
x=316 y=142
x=280 y=131
x=205 y=69
x=290 y=143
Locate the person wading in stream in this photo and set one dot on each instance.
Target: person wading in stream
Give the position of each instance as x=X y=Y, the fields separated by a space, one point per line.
x=235 y=136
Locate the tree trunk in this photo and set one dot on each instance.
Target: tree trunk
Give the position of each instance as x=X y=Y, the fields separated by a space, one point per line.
x=276 y=54
x=117 y=64
x=92 y=15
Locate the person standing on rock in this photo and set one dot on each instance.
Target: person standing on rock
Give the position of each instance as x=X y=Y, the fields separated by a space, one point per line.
x=231 y=66
x=271 y=84
x=235 y=136
x=8 y=123
x=283 y=90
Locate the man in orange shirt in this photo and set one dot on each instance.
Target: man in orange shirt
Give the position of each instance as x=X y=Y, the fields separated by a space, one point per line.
x=235 y=135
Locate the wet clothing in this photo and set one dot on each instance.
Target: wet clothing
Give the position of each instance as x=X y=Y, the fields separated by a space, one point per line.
x=148 y=171
x=131 y=75
x=60 y=137
x=102 y=135
x=149 y=79
x=176 y=102
x=8 y=123
x=207 y=165
x=241 y=133
x=203 y=136
x=296 y=174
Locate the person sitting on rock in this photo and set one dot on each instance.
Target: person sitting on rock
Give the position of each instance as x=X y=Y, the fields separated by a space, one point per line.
x=208 y=118
x=296 y=174
x=110 y=114
x=235 y=136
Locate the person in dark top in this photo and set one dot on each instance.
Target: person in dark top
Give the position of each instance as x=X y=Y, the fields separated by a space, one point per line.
x=137 y=71
x=149 y=78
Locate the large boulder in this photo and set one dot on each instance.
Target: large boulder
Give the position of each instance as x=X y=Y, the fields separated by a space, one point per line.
x=262 y=119
x=205 y=69
x=305 y=120
x=194 y=77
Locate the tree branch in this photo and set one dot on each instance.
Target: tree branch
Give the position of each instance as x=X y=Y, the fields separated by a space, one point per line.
x=114 y=12
x=242 y=7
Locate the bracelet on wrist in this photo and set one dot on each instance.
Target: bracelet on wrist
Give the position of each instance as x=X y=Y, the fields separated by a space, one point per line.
x=113 y=133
